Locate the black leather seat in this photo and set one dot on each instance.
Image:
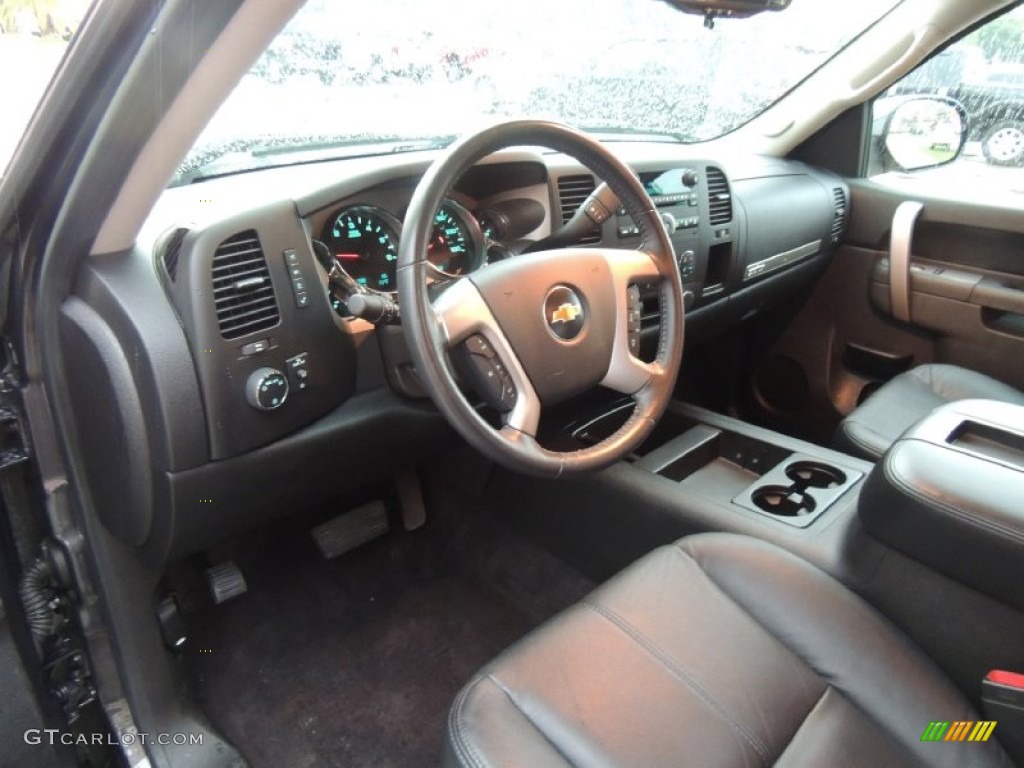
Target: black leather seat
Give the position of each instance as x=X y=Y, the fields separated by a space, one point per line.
x=906 y=399
x=719 y=651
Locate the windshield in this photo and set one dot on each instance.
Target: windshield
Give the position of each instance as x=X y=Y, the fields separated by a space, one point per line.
x=397 y=75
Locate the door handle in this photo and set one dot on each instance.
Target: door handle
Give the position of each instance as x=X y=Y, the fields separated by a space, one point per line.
x=900 y=241
x=992 y=294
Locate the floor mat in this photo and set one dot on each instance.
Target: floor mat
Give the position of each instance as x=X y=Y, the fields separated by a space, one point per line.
x=355 y=662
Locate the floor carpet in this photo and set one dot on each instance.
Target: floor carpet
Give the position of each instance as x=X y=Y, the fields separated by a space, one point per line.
x=355 y=661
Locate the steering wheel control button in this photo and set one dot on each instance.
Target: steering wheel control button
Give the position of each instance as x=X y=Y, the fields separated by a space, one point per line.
x=490 y=379
x=478 y=345
x=298 y=372
x=266 y=389
x=596 y=212
x=564 y=313
x=634 y=314
x=687 y=263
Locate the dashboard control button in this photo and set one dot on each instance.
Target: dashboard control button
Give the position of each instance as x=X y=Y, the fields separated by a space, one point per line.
x=301 y=299
x=266 y=389
x=688 y=299
x=255 y=347
x=690 y=178
x=669 y=222
x=291 y=258
x=298 y=372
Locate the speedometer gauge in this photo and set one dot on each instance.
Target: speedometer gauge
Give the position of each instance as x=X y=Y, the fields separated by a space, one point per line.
x=456 y=243
x=364 y=241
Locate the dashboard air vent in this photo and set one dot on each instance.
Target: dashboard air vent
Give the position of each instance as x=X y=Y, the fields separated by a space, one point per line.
x=839 y=217
x=242 y=290
x=572 y=191
x=172 y=250
x=719 y=197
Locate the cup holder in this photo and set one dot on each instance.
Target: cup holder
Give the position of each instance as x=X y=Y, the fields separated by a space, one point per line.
x=811 y=474
x=798 y=489
x=782 y=501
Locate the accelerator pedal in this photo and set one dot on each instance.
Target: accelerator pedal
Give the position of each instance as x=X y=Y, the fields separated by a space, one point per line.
x=351 y=529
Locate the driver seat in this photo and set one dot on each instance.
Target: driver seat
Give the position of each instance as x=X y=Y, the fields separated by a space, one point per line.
x=721 y=650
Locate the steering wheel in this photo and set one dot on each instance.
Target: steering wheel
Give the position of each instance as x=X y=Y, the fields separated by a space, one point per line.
x=542 y=327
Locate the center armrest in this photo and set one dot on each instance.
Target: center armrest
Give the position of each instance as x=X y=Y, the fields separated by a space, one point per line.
x=950 y=494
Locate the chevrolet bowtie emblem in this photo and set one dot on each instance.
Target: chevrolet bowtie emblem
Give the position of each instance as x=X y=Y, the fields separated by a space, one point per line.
x=566 y=313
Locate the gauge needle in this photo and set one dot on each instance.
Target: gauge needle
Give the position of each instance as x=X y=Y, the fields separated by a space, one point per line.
x=347 y=256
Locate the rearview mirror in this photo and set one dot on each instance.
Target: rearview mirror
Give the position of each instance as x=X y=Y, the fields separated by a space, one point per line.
x=922 y=132
x=727 y=9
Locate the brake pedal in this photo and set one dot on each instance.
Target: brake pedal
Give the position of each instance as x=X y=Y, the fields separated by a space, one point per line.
x=351 y=529
x=226 y=581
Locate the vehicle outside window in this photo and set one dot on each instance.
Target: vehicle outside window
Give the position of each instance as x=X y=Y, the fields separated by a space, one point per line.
x=33 y=37
x=342 y=82
x=984 y=74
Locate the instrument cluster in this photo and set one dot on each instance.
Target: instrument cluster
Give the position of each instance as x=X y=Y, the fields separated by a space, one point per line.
x=364 y=240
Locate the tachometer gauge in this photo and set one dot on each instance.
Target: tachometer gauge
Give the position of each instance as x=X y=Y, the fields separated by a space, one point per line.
x=456 y=243
x=364 y=241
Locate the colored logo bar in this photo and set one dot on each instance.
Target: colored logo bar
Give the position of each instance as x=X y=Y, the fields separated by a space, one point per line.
x=958 y=730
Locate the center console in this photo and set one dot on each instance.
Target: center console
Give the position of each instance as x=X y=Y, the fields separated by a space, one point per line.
x=735 y=465
x=950 y=494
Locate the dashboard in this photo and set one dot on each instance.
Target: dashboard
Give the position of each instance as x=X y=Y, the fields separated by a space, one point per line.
x=257 y=390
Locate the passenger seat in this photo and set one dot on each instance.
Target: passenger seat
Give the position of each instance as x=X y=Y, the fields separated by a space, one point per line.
x=884 y=416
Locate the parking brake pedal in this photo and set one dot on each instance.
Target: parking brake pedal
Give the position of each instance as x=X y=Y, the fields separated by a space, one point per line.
x=410 y=498
x=351 y=529
x=226 y=581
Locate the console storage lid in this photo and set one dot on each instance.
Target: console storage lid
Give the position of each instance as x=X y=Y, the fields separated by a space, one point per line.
x=950 y=494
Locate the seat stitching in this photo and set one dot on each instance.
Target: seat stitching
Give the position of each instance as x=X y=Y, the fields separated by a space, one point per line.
x=652 y=648
x=1001 y=530
x=907 y=752
x=466 y=751
x=848 y=429
x=530 y=720
x=828 y=687
x=829 y=681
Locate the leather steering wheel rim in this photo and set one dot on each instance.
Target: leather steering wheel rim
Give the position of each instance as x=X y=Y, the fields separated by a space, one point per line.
x=431 y=331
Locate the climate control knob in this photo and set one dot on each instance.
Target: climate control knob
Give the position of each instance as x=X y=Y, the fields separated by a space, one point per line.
x=266 y=389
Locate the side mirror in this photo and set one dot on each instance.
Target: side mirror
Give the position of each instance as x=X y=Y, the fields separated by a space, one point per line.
x=919 y=132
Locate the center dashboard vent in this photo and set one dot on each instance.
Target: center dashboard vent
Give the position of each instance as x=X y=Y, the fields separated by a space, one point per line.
x=719 y=197
x=572 y=191
x=243 y=293
x=839 y=216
